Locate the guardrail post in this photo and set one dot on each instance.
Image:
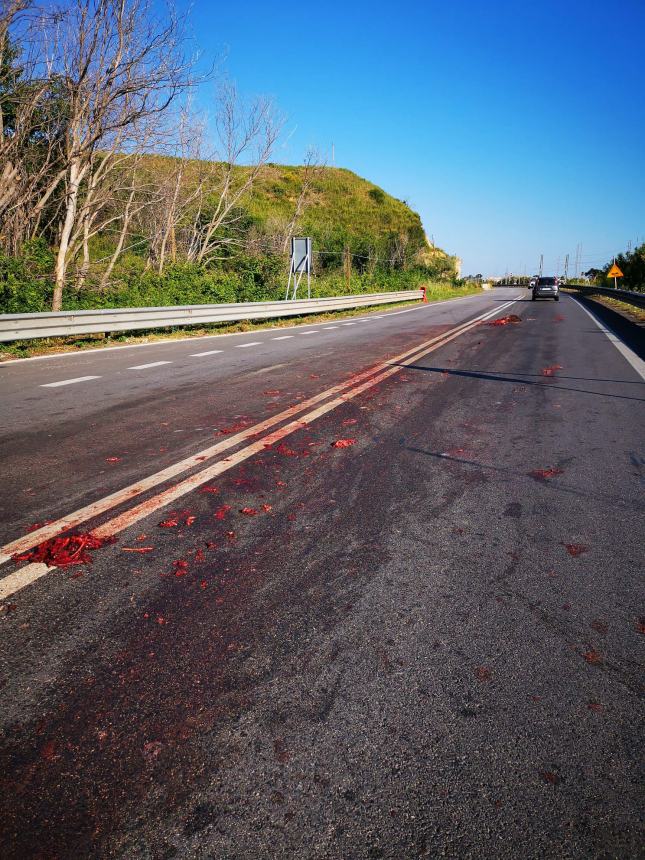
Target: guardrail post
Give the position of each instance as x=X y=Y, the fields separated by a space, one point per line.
x=425 y=298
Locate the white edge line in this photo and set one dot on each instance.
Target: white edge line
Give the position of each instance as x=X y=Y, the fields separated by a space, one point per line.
x=628 y=354
x=162 y=342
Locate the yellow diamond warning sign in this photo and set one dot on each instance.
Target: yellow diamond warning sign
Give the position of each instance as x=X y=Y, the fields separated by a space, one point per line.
x=614 y=272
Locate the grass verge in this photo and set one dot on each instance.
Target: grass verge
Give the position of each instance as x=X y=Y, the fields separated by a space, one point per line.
x=55 y=345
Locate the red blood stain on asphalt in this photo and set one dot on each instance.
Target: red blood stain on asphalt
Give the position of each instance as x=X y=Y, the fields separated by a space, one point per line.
x=267 y=508
x=551 y=371
x=558 y=318
x=249 y=512
x=592 y=657
x=507 y=320
x=35 y=526
x=209 y=490
x=595 y=706
x=112 y=459
x=200 y=556
x=482 y=673
x=235 y=428
x=271 y=392
x=543 y=474
x=575 y=549
x=343 y=443
x=63 y=551
x=285 y=450
x=550 y=777
x=48 y=752
x=169 y=523
x=181 y=567
x=349 y=421
x=175 y=519
x=600 y=627
x=142 y=549
x=220 y=513
x=152 y=749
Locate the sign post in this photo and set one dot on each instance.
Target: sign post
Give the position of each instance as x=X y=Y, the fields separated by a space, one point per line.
x=299 y=265
x=615 y=273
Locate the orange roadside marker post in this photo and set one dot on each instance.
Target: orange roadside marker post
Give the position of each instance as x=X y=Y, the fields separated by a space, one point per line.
x=615 y=273
x=425 y=298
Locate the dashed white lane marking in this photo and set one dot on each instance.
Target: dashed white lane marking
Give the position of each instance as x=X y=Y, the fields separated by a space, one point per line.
x=348 y=323
x=284 y=337
x=146 y=366
x=329 y=327
x=69 y=381
x=313 y=331
x=209 y=352
x=244 y=345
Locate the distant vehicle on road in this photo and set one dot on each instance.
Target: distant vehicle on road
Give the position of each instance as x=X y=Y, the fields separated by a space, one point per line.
x=546 y=288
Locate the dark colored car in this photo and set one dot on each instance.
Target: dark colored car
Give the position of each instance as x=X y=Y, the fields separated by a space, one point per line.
x=546 y=288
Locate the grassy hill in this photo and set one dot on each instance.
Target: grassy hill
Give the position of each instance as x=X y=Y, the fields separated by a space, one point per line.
x=347 y=217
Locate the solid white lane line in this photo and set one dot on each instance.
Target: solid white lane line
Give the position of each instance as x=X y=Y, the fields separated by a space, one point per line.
x=146 y=366
x=629 y=355
x=68 y=381
x=30 y=573
x=244 y=345
x=209 y=352
x=82 y=515
x=284 y=337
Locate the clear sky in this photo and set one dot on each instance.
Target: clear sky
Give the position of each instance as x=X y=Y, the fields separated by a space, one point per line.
x=513 y=128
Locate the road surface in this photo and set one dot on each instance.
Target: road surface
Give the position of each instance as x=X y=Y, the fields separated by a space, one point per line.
x=424 y=641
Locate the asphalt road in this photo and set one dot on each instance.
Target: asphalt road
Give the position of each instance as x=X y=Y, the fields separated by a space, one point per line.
x=425 y=643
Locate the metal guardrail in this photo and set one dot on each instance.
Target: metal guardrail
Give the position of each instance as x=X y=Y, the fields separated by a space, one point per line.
x=629 y=296
x=70 y=323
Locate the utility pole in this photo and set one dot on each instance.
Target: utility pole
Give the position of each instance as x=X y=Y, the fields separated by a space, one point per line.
x=541 y=264
x=566 y=268
x=578 y=252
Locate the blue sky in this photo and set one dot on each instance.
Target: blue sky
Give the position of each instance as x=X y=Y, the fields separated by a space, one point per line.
x=513 y=128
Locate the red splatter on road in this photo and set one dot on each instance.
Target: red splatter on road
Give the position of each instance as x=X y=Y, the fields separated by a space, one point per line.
x=63 y=551
x=575 y=549
x=220 y=513
x=507 y=320
x=249 y=512
x=169 y=523
x=551 y=371
x=550 y=777
x=285 y=450
x=137 y=548
x=349 y=421
x=343 y=443
x=543 y=474
x=558 y=318
x=112 y=459
x=271 y=392
x=267 y=508
x=483 y=673
x=208 y=489
x=592 y=657
x=181 y=567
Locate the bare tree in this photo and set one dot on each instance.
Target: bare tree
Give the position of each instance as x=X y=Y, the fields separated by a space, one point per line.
x=119 y=69
x=246 y=137
x=312 y=169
